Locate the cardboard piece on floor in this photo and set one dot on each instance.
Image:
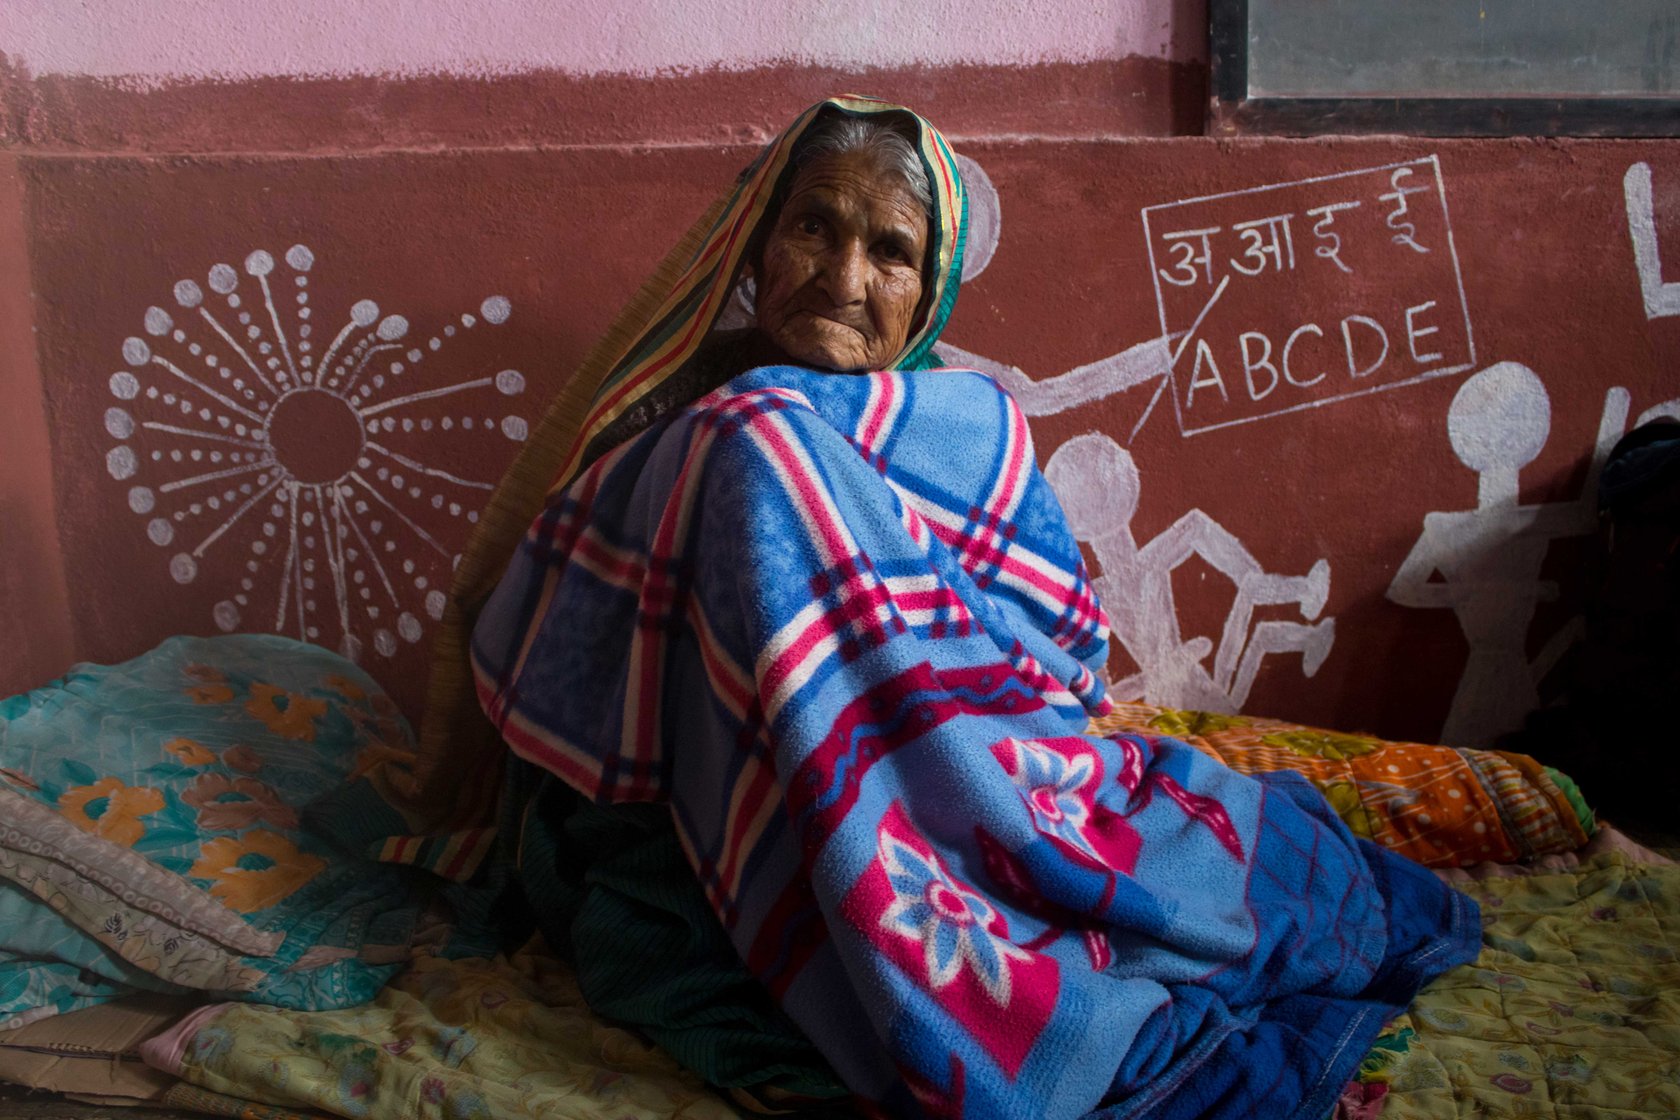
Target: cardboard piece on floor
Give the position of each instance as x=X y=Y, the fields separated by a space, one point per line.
x=93 y=1052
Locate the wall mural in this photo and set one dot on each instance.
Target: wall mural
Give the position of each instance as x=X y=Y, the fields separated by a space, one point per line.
x=1661 y=299
x=1226 y=265
x=297 y=480
x=1097 y=482
x=314 y=470
x=1489 y=558
x=1223 y=266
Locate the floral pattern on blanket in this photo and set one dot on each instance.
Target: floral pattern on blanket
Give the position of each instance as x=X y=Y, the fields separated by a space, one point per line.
x=1441 y=806
x=447 y=1040
x=1568 y=1012
x=195 y=818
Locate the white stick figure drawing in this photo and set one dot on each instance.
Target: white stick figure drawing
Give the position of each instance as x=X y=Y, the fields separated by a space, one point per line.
x=1097 y=483
x=1489 y=557
x=1661 y=299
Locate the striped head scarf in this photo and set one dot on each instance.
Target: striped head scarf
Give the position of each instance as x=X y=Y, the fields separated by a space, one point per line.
x=448 y=797
x=676 y=328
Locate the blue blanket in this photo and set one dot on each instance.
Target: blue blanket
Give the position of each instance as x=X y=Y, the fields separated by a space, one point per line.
x=839 y=625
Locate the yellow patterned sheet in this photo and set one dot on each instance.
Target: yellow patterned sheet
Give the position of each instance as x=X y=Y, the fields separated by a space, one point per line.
x=1441 y=806
x=1572 y=1011
x=447 y=1040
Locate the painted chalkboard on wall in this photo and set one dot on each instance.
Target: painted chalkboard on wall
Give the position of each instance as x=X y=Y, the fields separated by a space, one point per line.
x=1446 y=67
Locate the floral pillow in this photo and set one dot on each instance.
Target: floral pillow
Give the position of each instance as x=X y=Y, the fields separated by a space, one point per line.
x=173 y=810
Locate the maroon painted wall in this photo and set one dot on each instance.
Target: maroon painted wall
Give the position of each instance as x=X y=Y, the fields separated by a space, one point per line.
x=433 y=197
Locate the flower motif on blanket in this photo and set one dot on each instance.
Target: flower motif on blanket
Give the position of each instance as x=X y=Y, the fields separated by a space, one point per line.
x=230 y=804
x=943 y=934
x=191 y=819
x=111 y=809
x=255 y=871
x=190 y=753
x=1058 y=780
x=290 y=715
x=956 y=927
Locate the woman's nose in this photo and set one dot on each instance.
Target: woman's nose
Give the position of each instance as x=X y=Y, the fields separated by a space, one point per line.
x=847 y=274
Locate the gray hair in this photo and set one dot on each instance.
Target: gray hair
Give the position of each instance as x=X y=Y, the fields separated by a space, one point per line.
x=892 y=152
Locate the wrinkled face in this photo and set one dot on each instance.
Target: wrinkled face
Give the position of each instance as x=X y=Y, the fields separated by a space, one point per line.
x=841 y=274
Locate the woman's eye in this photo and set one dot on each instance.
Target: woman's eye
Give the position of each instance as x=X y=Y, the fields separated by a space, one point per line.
x=894 y=251
x=810 y=226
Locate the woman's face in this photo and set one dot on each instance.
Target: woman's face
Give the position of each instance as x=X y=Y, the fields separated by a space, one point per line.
x=841 y=273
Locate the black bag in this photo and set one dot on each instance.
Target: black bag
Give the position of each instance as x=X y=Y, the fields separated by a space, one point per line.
x=1617 y=732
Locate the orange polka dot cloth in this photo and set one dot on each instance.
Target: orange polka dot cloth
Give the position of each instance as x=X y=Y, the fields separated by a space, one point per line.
x=1440 y=806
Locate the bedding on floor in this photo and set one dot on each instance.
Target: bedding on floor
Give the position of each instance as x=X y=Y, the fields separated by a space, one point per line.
x=1441 y=806
x=195 y=820
x=1569 y=1012
x=200 y=821
x=447 y=1040
x=1572 y=1009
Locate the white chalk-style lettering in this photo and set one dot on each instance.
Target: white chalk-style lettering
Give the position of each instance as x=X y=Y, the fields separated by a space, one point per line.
x=1413 y=331
x=1331 y=248
x=1184 y=242
x=1267 y=242
x=1405 y=233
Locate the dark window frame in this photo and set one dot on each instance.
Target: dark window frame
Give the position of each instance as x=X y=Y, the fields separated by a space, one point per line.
x=1231 y=111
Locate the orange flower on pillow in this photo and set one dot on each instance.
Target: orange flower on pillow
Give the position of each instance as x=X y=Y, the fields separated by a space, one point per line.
x=189 y=752
x=242 y=758
x=211 y=693
x=290 y=715
x=110 y=810
x=346 y=687
x=227 y=804
x=376 y=756
x=254 y=871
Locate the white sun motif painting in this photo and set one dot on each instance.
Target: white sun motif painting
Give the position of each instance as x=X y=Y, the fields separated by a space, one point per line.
x=292 y=474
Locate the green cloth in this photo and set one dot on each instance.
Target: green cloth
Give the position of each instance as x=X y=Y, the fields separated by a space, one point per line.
x=613 y=894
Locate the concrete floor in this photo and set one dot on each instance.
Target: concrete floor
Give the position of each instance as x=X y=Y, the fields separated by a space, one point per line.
x=18 y=1103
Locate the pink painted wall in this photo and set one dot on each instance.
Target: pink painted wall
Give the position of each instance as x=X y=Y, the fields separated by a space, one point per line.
x=141 y=41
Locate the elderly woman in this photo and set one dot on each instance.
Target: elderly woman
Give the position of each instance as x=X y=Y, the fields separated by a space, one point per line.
x=841 y=263
x=802 y=655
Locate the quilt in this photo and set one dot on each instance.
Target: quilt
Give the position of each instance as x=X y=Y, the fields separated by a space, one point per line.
x=196 y=819
x=1441 y=806
x=1566 y=1013
x=1569 y=1011
x=839 y=626
x=470 y=1039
